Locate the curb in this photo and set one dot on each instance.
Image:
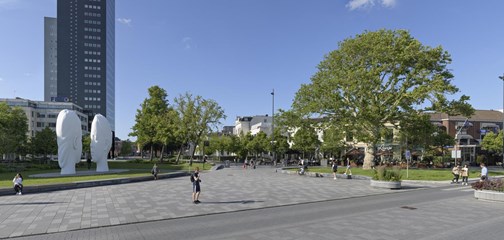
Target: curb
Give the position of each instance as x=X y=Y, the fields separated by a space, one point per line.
x=86 y=184
x=328 y=175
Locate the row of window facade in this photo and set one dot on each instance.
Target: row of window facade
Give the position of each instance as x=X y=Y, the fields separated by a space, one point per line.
x=92 y=91
x=91 y=14
x=92 y=99
x=92 y=60
x=92 y=83
x=92 y=76
x=93 y=45
x=92 y=29
x=53 y=125
x=92 y=6
x=92 y=106
x=93 y=53
x=92 y=37
x=92 y=68
x=94 y=22
x=41 y=115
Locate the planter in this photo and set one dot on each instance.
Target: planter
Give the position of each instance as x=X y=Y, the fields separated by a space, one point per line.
x=386 y=184
x=489 y=195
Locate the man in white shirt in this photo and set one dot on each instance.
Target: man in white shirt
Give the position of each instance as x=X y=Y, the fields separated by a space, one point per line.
x=484 y=172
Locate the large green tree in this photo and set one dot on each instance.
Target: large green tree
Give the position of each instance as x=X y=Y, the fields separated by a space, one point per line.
x=166 y=125
x=126 y=148
x=44 y=143
x=197 y=118
x=376 y=78
x=13 y=128
x=333 y=141
x=258 y=145
x=305 y=139
x=146 y=127
x=493 y=142
x=280 y=144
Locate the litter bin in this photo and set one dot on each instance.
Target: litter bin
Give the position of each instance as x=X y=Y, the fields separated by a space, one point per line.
x=323 y=163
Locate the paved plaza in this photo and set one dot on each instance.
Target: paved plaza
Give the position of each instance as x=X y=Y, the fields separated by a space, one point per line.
x=228 y=190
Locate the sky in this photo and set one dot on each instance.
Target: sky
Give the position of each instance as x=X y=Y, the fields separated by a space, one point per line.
x=236 y=51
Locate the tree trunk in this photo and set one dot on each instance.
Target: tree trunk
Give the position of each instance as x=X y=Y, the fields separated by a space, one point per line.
x=162 y=153
x=151 y=152
x=369 y=156
x=178 y=154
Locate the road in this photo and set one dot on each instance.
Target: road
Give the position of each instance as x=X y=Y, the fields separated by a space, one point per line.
x=448 y=212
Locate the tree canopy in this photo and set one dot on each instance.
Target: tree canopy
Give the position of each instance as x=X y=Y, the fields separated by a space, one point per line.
x=44 y=143
x=147 y=128
x=13 y=128
x=197 y=117
x=376 y=78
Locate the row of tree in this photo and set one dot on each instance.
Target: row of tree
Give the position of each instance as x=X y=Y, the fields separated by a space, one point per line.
x=175 y=126
x=15 y=142
x=373 y=82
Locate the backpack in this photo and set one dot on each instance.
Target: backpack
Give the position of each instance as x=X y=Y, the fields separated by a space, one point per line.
x=192 y=178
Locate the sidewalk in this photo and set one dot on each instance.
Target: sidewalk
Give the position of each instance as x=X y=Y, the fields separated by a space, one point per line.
x=228 y=190
x=86 y=184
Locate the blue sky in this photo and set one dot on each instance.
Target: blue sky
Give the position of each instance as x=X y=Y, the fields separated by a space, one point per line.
x=237 y=51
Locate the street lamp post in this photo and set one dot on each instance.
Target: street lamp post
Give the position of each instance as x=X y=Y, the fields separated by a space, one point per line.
x=502 y=78
x=273 y=125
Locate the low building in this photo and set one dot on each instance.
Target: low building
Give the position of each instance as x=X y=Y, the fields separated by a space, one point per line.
x=469 y=132
x=42 y=114
x=254 y=125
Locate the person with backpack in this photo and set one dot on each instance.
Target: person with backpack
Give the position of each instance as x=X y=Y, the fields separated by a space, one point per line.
x=195 y=179
x=334 y=168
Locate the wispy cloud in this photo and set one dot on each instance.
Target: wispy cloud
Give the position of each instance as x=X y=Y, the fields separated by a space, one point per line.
x=125 y=21
x=188 y=43
x=361 y=4
x=389 y=3
x=8 y=3
x=1 y=79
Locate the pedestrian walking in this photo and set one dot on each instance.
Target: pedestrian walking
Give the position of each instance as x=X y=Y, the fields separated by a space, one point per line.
x=18 y=184
x=348 y=171
x=334 y=167
x=245 y=163
x=155 y=171
x=456 y=174
x=484 y=172
x=196 y=180
x=464 y=172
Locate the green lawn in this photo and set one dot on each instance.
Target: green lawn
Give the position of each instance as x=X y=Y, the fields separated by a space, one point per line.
x=413 y=174
x=136 y=169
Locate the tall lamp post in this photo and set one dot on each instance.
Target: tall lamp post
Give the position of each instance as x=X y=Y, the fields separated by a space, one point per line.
x=273 y=125
x=502 y=78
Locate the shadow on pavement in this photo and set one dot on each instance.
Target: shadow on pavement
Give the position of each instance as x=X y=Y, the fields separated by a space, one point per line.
x=231 y=202
x=30 y=203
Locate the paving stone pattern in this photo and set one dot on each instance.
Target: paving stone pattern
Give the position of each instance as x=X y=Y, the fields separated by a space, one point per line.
x=231 y=189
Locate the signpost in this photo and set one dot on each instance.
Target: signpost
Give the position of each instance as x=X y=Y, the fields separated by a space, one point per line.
x=408 y=157
x=456 y=154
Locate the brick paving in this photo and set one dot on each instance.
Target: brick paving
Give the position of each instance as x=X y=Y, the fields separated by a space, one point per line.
x=227 y=190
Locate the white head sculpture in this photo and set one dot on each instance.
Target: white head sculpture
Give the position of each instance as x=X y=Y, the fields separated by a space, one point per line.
x=69 y=135
x=101 y=141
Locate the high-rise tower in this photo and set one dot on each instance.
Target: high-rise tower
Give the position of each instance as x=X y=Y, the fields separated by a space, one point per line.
x=86 y=56
x=50 y=60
